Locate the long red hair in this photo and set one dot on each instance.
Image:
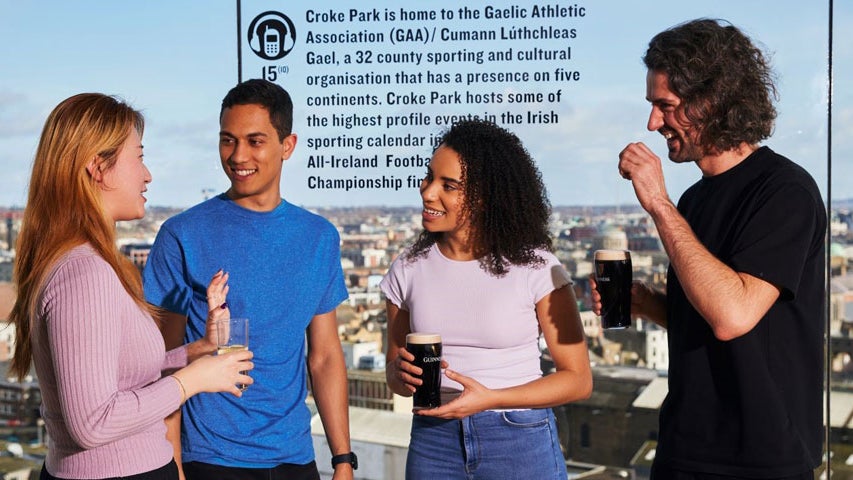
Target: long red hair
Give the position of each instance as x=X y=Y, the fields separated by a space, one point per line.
x=64 y=208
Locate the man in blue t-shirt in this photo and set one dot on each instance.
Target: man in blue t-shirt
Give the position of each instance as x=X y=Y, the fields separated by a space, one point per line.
x=285 y=276
x=744 y=295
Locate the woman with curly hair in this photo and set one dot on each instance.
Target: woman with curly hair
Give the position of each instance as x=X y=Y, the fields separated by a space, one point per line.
x=481 y=275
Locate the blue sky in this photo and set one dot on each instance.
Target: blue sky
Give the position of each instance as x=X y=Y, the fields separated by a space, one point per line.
x=175 y=61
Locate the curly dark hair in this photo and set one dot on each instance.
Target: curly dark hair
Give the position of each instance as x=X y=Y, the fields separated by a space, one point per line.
x=504 y=198
x=724 y=82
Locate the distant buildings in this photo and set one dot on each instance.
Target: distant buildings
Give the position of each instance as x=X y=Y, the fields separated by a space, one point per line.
x=137 y=253
x=609 y=427
x=7 y=247
x=19 y=401
x=616 y=426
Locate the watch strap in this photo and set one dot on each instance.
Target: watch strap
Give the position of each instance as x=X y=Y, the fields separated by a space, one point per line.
x=345 y=458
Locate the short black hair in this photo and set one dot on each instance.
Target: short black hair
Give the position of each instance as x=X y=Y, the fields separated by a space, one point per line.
x=269 y=95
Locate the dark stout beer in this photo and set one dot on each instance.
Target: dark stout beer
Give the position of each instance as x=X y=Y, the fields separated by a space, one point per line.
x=426 y=347
x=613 y=279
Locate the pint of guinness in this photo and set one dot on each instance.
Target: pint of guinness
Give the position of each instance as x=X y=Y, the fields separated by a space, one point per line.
x=613 y=279
x=426 y=347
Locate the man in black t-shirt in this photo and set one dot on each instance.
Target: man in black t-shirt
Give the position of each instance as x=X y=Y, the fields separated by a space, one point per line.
x=744 y=298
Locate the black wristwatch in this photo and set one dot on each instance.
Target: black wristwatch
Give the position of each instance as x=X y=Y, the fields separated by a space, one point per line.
x=346 y=458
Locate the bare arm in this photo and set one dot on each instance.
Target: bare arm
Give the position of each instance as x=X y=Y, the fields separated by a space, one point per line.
x=731 y=302
x=649 y=303
x=172 y=326
x=561 y=326
x=329 y=385
x=402 y=376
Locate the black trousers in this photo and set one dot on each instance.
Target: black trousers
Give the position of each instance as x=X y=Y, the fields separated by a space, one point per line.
x=166 y=472
x=660 y=472
x=285 y=471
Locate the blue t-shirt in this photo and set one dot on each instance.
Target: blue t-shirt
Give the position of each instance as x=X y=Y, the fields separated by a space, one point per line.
x=284 y=268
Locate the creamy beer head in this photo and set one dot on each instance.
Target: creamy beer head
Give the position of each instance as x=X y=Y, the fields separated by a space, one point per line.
x=423 y=338
x=610 y=255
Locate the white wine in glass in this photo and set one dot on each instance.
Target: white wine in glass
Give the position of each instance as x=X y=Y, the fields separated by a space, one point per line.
x=232 y=335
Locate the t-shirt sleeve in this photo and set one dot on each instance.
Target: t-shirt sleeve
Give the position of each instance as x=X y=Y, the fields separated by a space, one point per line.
x=778 y=238
x=164 y=276
x=336 y=291
x=392 y=284
x=548 y=277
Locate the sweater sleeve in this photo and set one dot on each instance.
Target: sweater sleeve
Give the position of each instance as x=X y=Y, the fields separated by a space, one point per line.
x=176 y=358
x=85 y=309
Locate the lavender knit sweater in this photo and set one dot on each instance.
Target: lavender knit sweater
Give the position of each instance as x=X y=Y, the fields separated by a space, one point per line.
x=99 y=359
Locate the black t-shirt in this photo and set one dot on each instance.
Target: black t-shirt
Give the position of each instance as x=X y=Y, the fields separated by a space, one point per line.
x=751 y=406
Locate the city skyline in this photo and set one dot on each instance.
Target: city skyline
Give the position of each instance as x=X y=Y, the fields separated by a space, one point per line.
x=628 y=364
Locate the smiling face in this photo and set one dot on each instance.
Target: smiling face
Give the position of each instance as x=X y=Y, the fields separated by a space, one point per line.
x=123 y=184
x=252 y=156
x=667 y=117
x=443 y=195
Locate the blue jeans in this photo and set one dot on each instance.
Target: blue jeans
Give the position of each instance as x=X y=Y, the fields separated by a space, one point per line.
x=489 y=445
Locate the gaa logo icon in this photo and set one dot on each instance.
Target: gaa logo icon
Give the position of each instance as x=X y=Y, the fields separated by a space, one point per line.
x=271 y=35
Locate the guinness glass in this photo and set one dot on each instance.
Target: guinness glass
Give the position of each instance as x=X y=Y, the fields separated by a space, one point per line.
x=613 y=279
x=426 y=347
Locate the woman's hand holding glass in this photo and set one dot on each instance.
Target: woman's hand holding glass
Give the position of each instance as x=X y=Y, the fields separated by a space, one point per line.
x=474 y=398
x=405 y=373
x=217 y=373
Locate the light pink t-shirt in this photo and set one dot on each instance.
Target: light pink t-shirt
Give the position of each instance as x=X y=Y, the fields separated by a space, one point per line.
x=488 y=324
